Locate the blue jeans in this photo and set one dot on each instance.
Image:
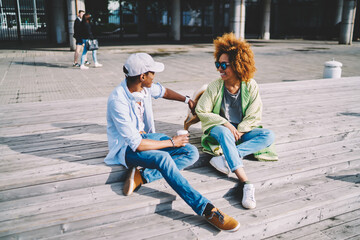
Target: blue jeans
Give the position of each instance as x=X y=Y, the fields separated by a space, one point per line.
x=84 y=54
x=251 y=142
x=167 y=163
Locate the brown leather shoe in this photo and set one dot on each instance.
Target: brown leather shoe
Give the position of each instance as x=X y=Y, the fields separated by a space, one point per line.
x=222 y=221
x=132 y=182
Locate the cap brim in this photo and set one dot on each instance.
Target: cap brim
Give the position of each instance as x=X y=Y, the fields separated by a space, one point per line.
x=158 y=67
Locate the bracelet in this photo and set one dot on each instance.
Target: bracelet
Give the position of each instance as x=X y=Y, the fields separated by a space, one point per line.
x=172 y=141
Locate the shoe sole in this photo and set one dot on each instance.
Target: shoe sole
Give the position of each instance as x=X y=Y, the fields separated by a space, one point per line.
x=248 y=207
x=129 y=183
x=219 y=169
x=230 y=230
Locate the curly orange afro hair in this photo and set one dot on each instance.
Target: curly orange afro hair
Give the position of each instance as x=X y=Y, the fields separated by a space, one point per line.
x=240 y=55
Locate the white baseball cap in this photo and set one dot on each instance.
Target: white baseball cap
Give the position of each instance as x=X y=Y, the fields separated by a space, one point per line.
x=139 y=63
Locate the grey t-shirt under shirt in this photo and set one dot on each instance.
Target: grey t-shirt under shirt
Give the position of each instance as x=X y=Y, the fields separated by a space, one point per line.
x=231 y=107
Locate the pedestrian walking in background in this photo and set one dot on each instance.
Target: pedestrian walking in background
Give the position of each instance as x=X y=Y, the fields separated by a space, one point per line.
x=78 y=39
x=87 y=34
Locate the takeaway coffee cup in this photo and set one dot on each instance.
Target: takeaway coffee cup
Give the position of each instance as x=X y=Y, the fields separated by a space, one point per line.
x=181 y=132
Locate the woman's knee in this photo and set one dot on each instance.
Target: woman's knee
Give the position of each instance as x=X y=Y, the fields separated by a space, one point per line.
x=269 y=136
x=222 y=133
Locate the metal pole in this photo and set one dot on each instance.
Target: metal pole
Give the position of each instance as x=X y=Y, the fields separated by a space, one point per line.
x=265 y=28
x=338 y=16
x=121 y=20
x=176 y=20
x=71 y=17
x=235 y=18
x=347 y=23
x=3 y=17
x=242 y=19
x=35 y=15
x=18 y=17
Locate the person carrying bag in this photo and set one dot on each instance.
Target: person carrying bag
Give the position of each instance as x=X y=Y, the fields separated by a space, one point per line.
x=90 y=43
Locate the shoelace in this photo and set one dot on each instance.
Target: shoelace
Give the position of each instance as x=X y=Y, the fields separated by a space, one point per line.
x=219 y=215
x=249 y=192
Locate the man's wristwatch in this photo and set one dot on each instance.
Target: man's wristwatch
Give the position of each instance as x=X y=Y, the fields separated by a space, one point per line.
x=187 y=99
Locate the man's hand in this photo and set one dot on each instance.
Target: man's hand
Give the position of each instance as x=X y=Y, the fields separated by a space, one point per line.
x=234 y=131
x=192 y=106
x=181 y=140
x=172 y=95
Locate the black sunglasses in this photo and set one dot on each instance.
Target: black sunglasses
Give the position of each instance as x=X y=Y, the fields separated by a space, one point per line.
x=223 y=65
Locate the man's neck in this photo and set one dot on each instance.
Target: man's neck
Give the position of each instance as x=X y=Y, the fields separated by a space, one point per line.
x=134 y=87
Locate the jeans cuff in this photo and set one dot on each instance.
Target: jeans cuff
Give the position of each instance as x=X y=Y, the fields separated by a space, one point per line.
x=143 y=175
x=237 y=167
x=203 y=208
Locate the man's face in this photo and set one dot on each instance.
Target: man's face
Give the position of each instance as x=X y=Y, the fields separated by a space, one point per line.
x=147 y=79
x=81 y=14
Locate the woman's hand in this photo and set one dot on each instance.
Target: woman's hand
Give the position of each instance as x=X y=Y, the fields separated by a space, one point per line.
x=234 y=131
x=181 y=140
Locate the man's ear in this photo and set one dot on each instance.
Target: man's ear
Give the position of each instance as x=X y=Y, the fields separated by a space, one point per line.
x=142 y=77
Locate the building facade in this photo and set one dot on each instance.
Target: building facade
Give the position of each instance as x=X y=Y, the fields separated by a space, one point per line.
x=180 y=20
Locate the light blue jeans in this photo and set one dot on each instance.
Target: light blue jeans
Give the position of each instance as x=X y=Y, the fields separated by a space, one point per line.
x=84 y=54
x=166 y=163
x=251 y=142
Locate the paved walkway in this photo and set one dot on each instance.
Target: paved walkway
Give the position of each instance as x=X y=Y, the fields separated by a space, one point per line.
x=46 y=74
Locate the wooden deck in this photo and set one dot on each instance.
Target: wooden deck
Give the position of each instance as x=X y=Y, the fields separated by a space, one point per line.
x=54 y=185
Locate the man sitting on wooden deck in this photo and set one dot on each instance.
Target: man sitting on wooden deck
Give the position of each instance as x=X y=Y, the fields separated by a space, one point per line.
x=133 y=142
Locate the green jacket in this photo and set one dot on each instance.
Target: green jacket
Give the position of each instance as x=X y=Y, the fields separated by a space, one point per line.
x=208 y=111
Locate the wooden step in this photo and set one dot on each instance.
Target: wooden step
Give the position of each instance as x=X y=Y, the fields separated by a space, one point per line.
x=54 y=184
x=307 y=201
x=343 y=226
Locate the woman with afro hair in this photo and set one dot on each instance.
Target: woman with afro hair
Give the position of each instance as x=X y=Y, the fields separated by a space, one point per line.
x=230 y=113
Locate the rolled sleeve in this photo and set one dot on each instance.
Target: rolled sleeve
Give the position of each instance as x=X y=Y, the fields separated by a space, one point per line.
x=157 y=90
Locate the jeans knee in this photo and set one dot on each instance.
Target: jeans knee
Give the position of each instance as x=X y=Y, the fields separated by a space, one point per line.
x=222 y=133
x=193 y=153
x=270 y=136
x=165 y=160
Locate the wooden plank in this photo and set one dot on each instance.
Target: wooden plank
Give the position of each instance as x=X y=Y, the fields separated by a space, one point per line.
x=60 y=143
x=70 y=170
x=322 y=141
x=344 y=231
x=128 y=229
x=307 y=231
x=138 y=201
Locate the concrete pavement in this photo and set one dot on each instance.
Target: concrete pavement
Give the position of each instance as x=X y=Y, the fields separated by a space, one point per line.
x=43 y=74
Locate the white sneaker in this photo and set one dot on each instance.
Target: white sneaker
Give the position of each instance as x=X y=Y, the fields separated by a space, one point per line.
x=83 y=67
x=248 y=200
x=97 y=65
x=220 y=164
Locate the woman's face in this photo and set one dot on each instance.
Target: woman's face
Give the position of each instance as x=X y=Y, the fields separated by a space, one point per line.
x=228 y=73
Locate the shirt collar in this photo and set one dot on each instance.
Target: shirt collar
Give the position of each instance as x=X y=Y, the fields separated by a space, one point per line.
x=129 y=94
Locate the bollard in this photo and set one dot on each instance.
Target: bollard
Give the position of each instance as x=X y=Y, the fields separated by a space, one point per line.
x=332 y=69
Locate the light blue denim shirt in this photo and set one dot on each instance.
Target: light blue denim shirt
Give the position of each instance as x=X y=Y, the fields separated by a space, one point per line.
x=122 y=122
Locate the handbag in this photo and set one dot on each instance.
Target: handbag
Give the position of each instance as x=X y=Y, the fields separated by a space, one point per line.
x=92 y=44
